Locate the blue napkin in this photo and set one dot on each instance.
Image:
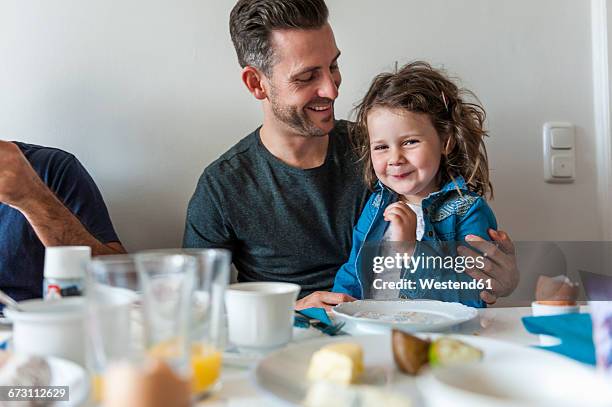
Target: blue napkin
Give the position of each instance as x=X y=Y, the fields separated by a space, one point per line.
x=312 y=313
x=574 y=330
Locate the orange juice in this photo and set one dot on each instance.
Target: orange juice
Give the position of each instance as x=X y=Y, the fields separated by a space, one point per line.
x=205 y=362
x=205 y=366
x=97 y=387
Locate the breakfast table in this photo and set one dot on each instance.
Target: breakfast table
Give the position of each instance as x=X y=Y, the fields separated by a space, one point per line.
x=238 y=386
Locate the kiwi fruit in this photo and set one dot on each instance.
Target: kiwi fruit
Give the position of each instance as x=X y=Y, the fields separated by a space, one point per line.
x=448 y=351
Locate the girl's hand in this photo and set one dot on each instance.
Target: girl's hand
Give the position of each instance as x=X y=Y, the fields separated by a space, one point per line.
x=322 y=299
x=403 y=222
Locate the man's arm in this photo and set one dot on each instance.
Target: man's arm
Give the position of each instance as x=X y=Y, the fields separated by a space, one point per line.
x=22 y=189
x=55 y=225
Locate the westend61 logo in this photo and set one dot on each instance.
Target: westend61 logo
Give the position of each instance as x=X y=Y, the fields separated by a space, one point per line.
x=413 y=263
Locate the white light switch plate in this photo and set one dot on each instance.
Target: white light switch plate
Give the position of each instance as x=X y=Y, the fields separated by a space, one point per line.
x=559 y=152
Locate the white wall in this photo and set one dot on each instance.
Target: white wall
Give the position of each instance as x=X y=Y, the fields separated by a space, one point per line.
x=147 y=93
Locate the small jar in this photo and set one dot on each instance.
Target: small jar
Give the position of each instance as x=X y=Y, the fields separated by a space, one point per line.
x=65 y=271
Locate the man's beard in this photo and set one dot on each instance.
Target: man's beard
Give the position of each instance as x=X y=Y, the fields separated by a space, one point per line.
x=297 y=119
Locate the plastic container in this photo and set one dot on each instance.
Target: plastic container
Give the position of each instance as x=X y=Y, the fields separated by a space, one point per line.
x=50 y=328
x=65 y=271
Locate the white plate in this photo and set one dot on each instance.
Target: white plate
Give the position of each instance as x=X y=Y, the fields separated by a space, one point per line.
x=236 y=357
x=517 y=380
x=67 y=373
x=282 y=375
x=407 y=315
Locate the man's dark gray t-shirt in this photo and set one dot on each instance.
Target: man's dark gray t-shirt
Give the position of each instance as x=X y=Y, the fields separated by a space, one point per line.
x=281 y=223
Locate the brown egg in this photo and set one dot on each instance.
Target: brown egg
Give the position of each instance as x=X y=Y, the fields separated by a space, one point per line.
x=155 y=385
x=556 y=291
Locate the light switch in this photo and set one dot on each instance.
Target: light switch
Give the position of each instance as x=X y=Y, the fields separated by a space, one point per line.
x=561 y=138
x=562 y=166
x=559 y=152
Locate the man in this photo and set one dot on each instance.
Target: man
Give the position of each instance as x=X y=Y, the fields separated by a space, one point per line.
x=47 y=198
x=285 y=198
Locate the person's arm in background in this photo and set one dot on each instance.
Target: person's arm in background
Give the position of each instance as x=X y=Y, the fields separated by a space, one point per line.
x=53 y=223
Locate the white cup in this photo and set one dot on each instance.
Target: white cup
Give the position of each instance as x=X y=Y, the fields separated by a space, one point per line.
x=260 y=315
x=50 y=328
x=540 y=310
x=66 y=261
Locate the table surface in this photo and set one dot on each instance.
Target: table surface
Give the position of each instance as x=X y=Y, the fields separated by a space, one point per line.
x=238 y=388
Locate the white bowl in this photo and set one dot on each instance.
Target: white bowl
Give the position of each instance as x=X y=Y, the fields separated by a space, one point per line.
x=50 y=328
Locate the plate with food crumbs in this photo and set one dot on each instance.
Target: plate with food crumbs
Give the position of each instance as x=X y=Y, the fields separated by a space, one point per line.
x=68 y=381
x=407 y=315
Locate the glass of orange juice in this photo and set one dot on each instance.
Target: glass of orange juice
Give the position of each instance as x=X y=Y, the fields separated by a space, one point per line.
x=207 y=330
x=206 y=318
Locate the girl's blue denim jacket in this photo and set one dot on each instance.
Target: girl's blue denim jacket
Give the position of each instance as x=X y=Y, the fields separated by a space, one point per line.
x=448 y=216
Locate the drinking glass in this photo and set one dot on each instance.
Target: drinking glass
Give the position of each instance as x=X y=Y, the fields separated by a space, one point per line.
x=208 y=333
x=113 y=318
x=167 y=283
x=207 y=318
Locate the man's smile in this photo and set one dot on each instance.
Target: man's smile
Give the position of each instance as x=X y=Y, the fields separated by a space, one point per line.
x=320 y=108
x=321 y=105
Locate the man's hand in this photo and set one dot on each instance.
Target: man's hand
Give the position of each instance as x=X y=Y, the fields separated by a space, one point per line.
x=19 y=183
x=322 y=299
x=403 y=222
x=499 y=264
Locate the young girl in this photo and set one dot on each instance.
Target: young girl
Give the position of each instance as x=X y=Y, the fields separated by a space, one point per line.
x=422 y=145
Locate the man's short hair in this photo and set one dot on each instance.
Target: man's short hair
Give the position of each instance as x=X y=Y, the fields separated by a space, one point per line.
x=252 y=21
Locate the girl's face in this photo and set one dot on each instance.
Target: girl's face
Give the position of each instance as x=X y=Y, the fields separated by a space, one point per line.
x=406 y=151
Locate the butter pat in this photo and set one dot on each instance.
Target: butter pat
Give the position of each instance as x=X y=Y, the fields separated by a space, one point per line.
x=340 y=363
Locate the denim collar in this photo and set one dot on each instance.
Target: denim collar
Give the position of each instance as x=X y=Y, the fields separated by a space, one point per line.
x=459 y=183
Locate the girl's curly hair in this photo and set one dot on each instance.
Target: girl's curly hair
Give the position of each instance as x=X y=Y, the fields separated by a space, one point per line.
x=419 y=88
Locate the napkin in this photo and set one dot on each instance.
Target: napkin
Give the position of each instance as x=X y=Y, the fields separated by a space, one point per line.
x=312 y=313
x=574 y=330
